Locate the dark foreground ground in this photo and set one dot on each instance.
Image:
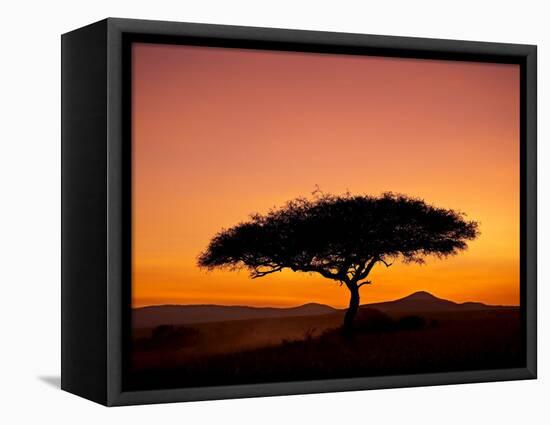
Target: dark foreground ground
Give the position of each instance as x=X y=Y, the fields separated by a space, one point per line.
x=306 y=348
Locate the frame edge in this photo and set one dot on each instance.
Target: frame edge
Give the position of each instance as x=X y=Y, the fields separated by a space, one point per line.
x=117 y=27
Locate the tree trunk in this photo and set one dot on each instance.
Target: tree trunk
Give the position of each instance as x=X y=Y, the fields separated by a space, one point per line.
x=352 y=310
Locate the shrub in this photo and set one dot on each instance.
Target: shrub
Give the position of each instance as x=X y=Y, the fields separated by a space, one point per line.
x=168 y=336
x=411 y=322
x=370 y=320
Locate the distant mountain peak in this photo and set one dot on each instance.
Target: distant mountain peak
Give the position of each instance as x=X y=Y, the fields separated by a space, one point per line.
x=421 y=295
x=422 y=302
x=314 y=305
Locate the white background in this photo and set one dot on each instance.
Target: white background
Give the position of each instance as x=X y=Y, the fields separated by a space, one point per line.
x=30 y=211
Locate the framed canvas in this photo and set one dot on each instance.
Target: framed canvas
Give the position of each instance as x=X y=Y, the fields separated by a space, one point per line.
x=253 y=212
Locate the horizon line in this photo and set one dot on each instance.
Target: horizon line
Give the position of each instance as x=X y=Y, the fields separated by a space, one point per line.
x=316 y=303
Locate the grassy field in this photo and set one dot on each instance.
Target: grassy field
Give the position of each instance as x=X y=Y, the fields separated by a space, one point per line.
x=312 y=347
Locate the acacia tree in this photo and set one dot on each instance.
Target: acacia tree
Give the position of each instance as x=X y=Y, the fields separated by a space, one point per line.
x=341 y=238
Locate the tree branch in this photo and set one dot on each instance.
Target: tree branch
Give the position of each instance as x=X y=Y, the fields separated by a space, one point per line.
x=322 y=272
x=366 y=282
x=257 y=273
x=367 y=268
x=386 y=264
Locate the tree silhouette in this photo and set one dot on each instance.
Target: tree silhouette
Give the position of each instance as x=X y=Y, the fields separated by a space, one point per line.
x=341 y=238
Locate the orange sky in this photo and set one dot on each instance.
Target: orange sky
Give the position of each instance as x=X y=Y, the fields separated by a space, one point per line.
x=222 y=133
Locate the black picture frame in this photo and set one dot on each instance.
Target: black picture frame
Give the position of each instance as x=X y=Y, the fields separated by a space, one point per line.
x=96 y=198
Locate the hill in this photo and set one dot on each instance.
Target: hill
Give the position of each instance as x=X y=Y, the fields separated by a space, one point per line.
x=424 y=302
x=146 y=317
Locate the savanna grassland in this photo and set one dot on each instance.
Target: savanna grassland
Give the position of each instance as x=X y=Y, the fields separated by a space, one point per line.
x=390 y=338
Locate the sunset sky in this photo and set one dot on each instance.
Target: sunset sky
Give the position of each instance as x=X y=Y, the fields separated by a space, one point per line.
x=219 y=134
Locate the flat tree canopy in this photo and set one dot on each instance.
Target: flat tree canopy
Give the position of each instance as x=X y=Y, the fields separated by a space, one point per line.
x=340 y=237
